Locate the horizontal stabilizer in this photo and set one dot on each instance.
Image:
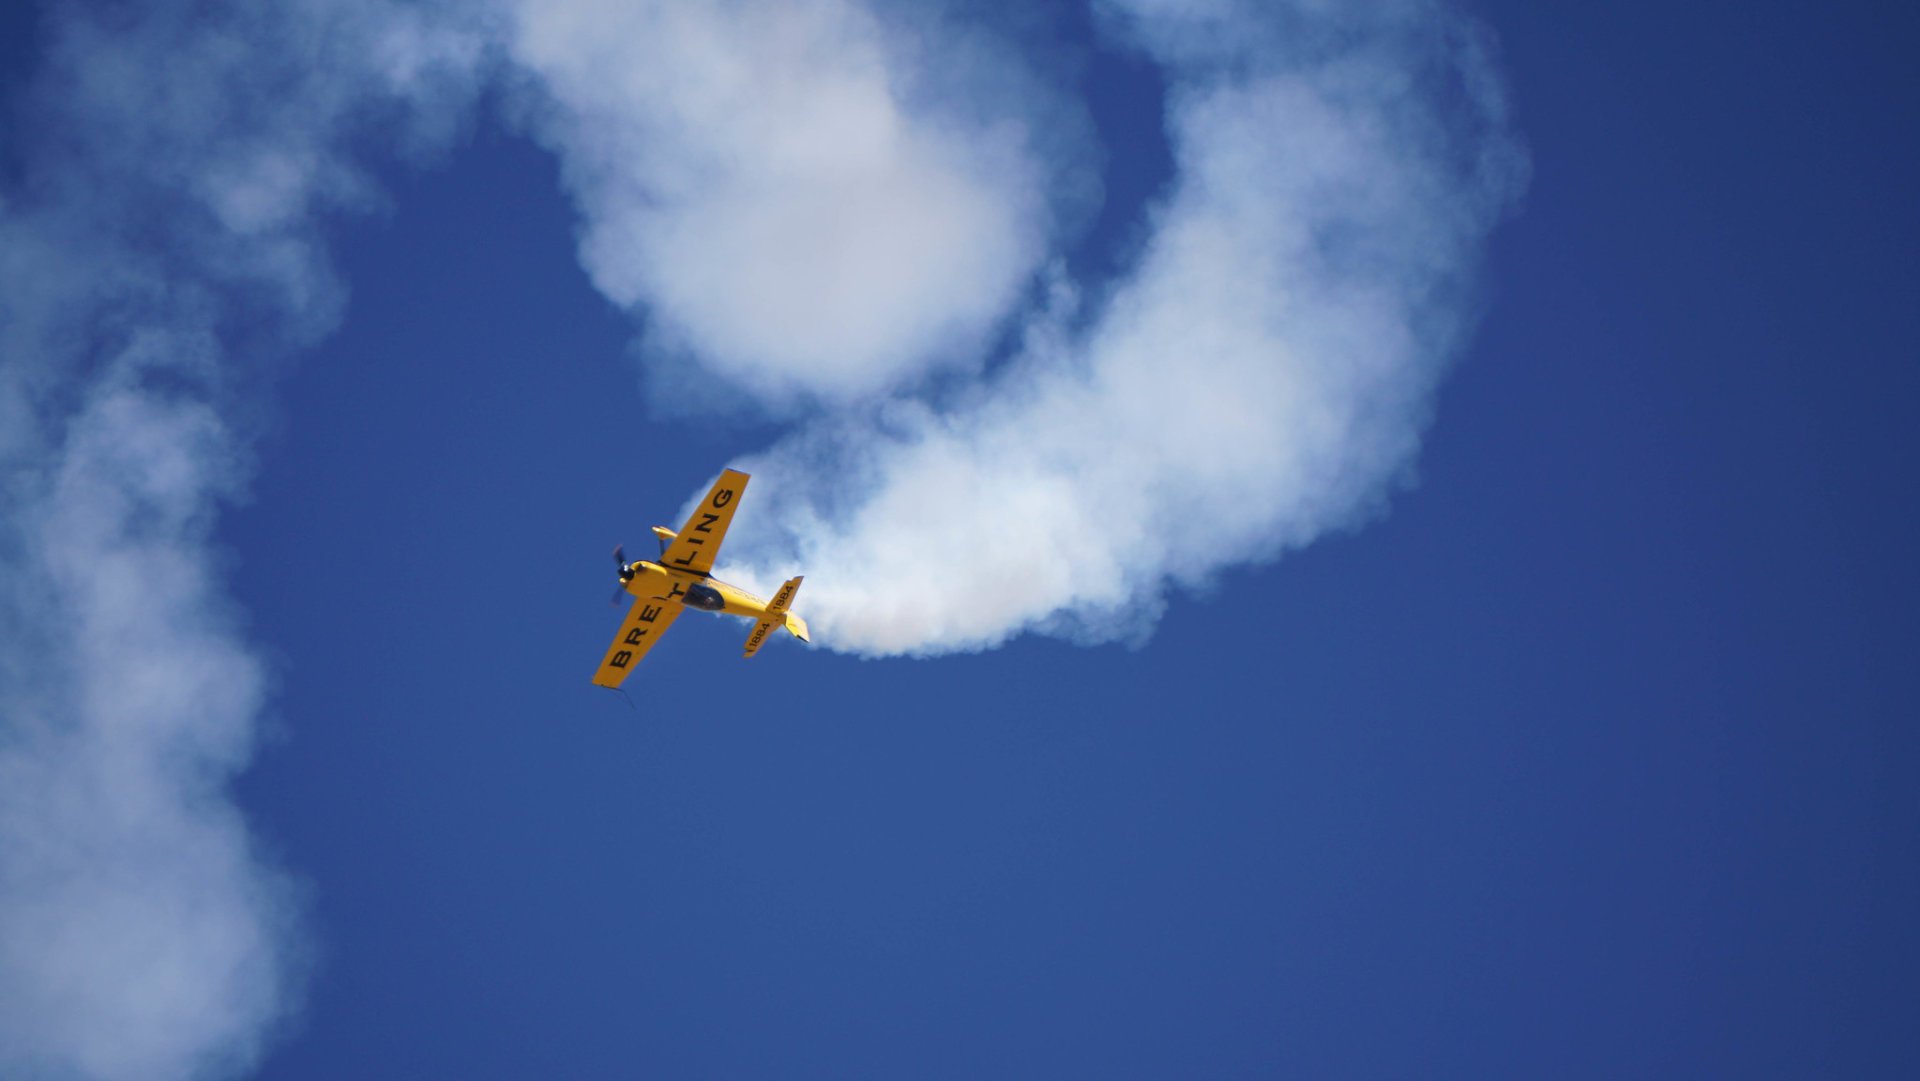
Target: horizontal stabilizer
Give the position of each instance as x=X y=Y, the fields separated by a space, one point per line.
x=784 y=599
x=759 y=635
x=778 y=616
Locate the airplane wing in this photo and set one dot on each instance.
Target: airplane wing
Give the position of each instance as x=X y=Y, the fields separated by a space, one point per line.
x=698 y=541
x=646 y=621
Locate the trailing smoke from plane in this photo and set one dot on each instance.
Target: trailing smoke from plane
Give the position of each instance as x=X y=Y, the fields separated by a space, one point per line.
x=1261 y=374
x=816 y=201
x=163 y=198
x=837 y=208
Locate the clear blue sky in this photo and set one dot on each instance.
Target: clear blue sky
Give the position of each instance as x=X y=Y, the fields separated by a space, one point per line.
x=1592 y=757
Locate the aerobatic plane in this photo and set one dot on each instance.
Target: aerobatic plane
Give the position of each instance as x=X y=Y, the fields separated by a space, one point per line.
x=683 y=579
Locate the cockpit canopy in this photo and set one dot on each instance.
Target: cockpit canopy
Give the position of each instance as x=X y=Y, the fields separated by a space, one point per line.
x=704 y=597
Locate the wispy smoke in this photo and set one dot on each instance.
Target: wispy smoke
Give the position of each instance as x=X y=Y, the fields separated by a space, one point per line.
x=1262 y=373
x=156 y=253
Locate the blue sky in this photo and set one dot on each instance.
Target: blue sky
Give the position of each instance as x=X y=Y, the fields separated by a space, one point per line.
x=1555 y=719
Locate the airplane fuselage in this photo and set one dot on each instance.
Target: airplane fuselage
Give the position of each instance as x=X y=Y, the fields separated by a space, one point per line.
x=650 y=581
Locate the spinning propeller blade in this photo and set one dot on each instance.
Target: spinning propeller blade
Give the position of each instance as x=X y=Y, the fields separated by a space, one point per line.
x=620 y=560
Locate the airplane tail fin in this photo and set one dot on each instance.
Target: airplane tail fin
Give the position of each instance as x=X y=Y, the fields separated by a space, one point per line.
x=778 y=616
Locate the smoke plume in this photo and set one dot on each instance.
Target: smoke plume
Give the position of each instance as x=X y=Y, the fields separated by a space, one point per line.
x=1259 y=375
x=807 y=198
x=843 y=211
x=157 y=252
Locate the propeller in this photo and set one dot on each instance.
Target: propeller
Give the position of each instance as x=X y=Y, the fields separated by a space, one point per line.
x=620 y=559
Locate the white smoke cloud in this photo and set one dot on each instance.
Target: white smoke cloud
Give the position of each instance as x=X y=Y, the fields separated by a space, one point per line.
x=158 y=250
x=787 y=189
x=1262 y=376
x=139 y=936
x=822 y=202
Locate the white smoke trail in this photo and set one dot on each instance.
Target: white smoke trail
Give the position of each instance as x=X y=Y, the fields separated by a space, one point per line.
x=158 y=251
x=790 y=191
x=1261 y=376
x=817 y=201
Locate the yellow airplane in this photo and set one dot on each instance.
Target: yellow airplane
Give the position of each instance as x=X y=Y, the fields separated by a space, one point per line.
x=683 y=579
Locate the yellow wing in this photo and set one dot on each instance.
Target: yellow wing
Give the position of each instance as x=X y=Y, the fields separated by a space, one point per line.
x=698 y=541
x=646 y=621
